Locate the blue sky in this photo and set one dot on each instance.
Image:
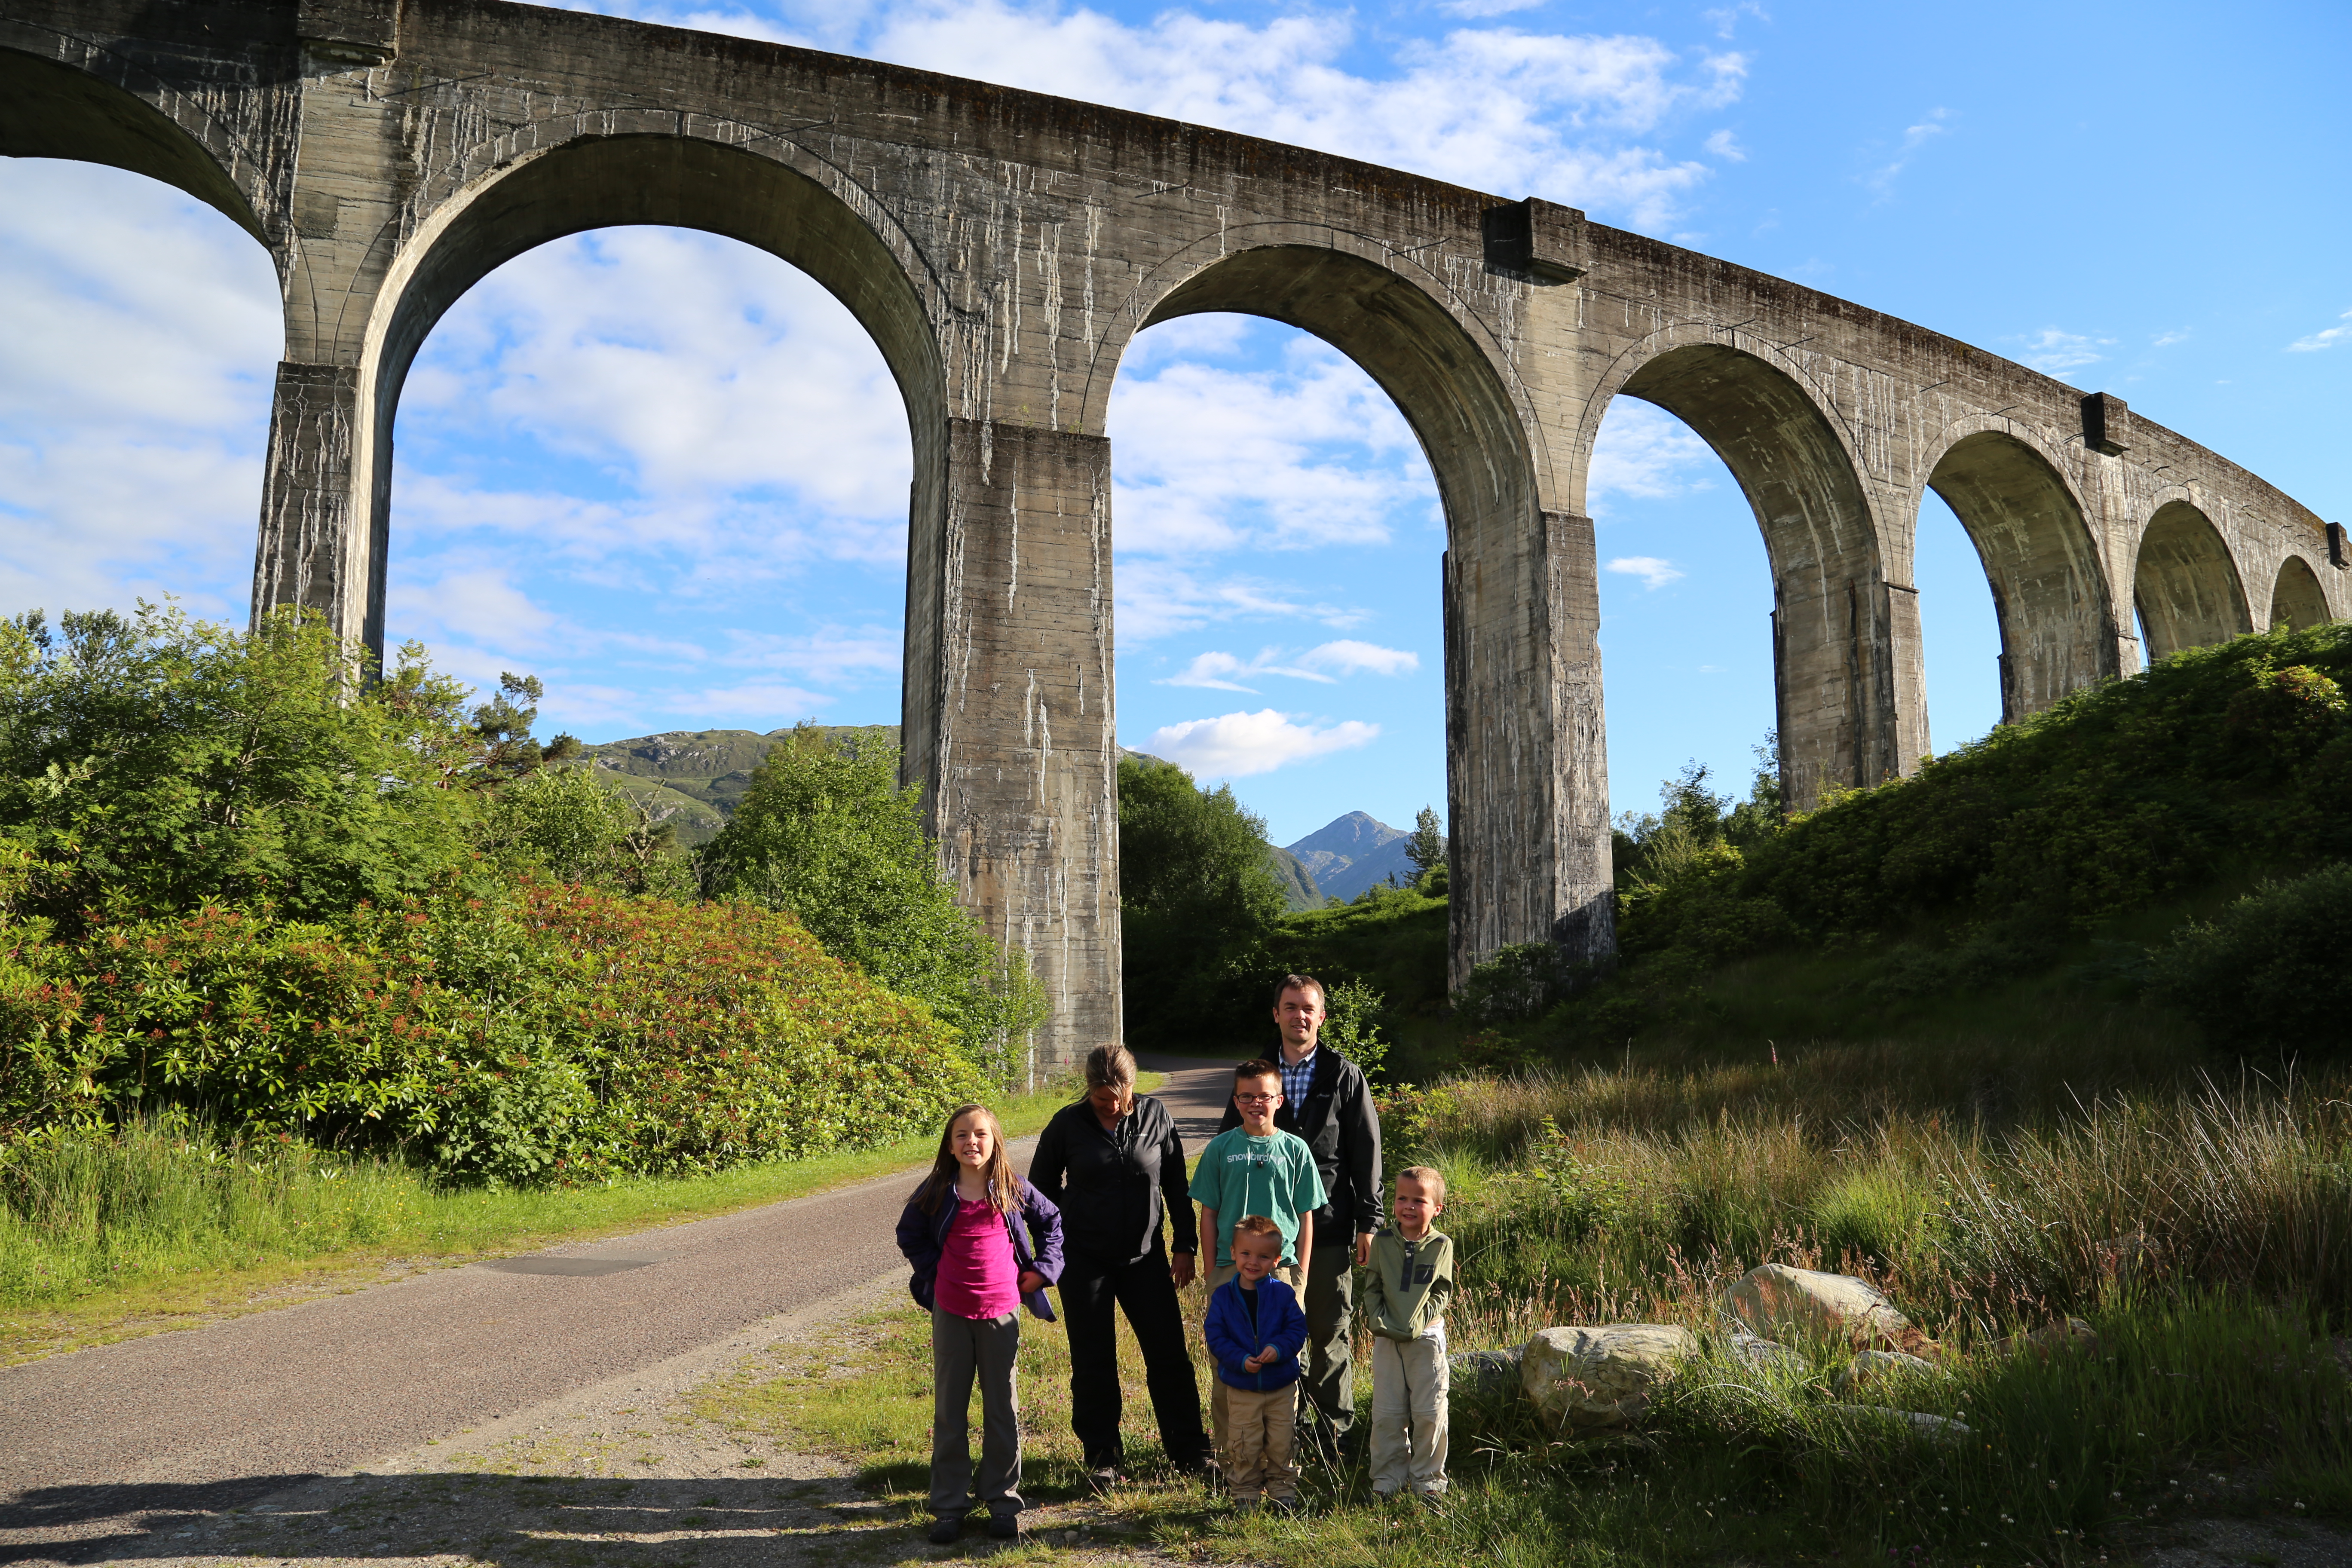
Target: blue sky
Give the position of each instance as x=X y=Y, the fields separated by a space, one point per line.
x=667 y=474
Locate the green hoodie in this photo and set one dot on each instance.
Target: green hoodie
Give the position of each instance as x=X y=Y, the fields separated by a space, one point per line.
x=1411 y=1283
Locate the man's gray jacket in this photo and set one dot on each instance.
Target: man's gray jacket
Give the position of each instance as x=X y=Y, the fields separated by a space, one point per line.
x=1341 y=1126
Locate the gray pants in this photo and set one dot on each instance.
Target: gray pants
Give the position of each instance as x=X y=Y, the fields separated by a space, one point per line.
x=1330 y=1302
x=961 y=1347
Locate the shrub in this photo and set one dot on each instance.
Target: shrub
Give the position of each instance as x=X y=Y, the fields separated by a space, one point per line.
x=157 y=764
x=2271 y=970
x=566 y=822
x=532 y=1033
x=825 y=832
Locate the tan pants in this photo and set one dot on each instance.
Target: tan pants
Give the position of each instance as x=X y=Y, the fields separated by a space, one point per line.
x=1291 y=1275
x=1409 y=1416
x=1256 y=1450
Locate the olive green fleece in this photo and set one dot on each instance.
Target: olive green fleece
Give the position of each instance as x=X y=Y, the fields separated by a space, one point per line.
x=1397 y=1308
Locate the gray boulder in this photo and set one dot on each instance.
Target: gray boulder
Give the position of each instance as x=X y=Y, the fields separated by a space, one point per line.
x=1591 y=1379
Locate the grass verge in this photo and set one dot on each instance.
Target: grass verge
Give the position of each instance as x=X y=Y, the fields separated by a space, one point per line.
x=2200 y=1233
x=150 y=1231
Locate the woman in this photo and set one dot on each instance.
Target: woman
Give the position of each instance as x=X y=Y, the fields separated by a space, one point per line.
x=1114 y=1165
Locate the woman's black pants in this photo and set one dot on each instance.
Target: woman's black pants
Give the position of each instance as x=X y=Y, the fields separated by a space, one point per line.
x=1143 y=1290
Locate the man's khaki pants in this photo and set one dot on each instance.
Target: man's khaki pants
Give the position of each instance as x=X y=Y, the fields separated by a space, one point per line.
x=1409 y=1415
x=1219 y=1273
x=1256 y=1451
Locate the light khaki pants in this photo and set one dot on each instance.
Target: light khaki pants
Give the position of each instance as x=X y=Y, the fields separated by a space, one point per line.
x=1255 y=1452
x=1409 y=1416
x=1292 y=1276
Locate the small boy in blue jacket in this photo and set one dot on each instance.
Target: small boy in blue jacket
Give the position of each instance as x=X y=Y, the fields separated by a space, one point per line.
x=1256 y=1330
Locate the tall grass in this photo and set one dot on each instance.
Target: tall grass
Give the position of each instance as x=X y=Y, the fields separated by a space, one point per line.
x=1636 y=1192
x=172 y=1213
x=82 y=1214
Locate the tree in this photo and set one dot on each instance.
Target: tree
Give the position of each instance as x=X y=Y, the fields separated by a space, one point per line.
x=825 y=831
x=567 y=823
x=152 y=763
x=1426 y=848
x=1196 y=901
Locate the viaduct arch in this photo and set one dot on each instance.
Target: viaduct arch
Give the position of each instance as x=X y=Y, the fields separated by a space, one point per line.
x=1003 y=247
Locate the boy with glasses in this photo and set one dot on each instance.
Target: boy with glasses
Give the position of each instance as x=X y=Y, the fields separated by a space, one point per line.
x=1257 y=1169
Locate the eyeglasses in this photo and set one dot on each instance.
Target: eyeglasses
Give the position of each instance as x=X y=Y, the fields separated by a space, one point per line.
x=1256 y=1099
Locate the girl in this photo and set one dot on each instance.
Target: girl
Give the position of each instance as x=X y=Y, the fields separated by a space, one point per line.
x=983 y=1242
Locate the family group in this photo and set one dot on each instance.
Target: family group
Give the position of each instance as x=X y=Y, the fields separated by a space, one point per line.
x=1289 y=1195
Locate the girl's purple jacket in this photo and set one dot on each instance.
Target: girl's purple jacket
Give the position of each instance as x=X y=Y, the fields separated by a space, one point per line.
x=924 y=1236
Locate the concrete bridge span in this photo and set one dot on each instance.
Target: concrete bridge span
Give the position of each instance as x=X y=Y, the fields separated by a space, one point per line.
x=1003 y=247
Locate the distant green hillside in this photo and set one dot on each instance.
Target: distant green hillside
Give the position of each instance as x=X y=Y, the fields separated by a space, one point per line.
x=692 y=778
x=1299 y=888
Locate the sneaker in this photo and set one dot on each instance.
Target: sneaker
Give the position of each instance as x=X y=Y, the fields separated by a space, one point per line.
x=1289 y=1507
x=1102 y=1478
x=1004 y=1526
x=947 y=1530
x=1246 y=1505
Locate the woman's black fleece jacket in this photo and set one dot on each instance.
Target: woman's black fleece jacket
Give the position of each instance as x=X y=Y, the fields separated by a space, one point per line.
x=1112 y=1188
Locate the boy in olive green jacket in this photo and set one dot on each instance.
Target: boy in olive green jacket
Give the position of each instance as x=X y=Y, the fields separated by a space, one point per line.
x=1411 y=1280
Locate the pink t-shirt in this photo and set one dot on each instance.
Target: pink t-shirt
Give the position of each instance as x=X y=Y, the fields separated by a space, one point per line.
x=977 y=1278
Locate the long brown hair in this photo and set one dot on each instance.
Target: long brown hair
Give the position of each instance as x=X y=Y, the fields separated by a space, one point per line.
x=1004 y=1186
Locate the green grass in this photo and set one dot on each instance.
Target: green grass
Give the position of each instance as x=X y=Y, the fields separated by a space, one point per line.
x=2217 y=1385
x=155 y=1229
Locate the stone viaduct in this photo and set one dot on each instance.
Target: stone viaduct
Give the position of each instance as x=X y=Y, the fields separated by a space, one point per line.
x=1003 y=247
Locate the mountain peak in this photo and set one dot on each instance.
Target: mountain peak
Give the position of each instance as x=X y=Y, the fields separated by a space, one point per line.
x=1356 y=835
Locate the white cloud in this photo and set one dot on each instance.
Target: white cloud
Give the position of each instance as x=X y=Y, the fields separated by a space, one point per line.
x=143 y=336
x=1325 y=664
x=1237 y=745
x=1653 y=572
x=1882 y=179
x=1726 y=18
x=1159 y=598
x=2056 y=352
x=1348 y=656
x=1484 y=8
x=1724 y=145
x=1645 y=452
x=1311 y=455
x=693 y=366
x=2165 y=340
x=2327 y=338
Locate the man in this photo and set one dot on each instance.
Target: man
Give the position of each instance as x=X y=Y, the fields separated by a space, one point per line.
x=1326 y=1102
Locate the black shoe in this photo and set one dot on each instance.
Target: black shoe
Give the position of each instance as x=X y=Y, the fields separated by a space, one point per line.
x=1103 y=1477
x=1004 y=1526
x=947 y=1529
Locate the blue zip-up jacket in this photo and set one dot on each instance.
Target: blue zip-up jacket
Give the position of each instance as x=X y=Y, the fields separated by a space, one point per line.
x=1231 y=1340
x=923 y=1238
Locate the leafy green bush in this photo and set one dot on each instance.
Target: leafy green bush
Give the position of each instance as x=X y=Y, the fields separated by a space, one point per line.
x=2113 y=798
x=825 y=832
x=517 y=1033
x=1395 y=941
x=572 y=824
x=158 y=763
x=2270 y=971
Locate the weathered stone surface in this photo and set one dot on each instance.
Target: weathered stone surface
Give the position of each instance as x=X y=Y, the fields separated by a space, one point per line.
x=1746 y=1347
x=1003 y=248
x=1595 y=1378
x=1781 y=1302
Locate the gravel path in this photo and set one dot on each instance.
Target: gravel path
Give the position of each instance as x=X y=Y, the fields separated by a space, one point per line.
x=117 y=1450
